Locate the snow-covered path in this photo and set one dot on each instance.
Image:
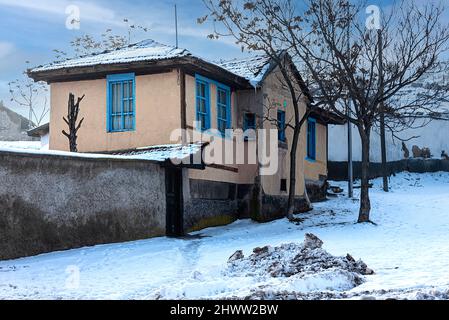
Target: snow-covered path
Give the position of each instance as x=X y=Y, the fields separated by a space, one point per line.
x=409 y=248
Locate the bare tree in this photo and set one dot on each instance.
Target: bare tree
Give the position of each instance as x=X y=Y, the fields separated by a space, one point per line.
x=331 y=42
x=252 y=26
x=108 y=40
x=27 y=93
x=71 y=121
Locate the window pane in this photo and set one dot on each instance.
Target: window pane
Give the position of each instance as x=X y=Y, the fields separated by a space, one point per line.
x=126 y=106
x=131 y=89
x=221 y=99
x=222 y=113
x=203 y=90
x=203 y=121
x=128 y=122
x=117 y=93
x=222 y=126
x=202 y=106
x=116 y=123
x=250 y=121
x=125 y=90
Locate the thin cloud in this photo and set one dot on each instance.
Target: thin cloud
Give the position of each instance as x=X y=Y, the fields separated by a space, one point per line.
x=6 y=48
x=88 y=11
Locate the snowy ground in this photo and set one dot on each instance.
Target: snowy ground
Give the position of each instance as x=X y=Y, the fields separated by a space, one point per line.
x=408 y=250
x=27 y=145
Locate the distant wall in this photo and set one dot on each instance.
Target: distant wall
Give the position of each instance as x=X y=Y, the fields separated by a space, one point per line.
x=50 y=203
x=338 y=171
x=433 y=136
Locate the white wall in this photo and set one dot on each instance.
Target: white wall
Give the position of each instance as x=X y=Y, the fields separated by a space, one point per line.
x=434 y=136
x=45 y=141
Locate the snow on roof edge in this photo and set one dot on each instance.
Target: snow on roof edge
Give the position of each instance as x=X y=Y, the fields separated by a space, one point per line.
x=145 y=153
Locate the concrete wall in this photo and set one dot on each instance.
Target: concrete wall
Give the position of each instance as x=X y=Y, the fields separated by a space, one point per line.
x=338 y=171
x=433 y=136
x=50 y=203
x=210 y=203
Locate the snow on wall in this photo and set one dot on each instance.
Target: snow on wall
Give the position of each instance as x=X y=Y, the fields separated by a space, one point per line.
x=434 y=136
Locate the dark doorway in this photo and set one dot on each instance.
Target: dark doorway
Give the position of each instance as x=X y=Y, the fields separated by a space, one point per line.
x=173 y=187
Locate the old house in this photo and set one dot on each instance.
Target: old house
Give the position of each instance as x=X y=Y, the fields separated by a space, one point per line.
x=137 y=96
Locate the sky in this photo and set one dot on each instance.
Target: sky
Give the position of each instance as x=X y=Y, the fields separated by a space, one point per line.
x=31 y=29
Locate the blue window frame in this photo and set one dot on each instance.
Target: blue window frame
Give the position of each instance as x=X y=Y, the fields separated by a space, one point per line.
x=223 y=109
x=121 y=102
x=249 y=121
x=281 y=126
x=203 y=103
x=311 y=139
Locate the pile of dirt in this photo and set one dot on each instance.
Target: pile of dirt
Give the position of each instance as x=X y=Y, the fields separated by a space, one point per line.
x=291 y=259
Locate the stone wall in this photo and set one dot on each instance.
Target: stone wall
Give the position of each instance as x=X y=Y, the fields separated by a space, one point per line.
x=210 y=204
x=50 y=202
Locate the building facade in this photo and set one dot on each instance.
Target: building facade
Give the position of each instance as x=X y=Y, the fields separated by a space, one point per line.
x=141 y=95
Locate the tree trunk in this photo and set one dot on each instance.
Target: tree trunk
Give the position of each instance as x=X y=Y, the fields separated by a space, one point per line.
x=365 y=204
x=292 y=189
x=71 y=121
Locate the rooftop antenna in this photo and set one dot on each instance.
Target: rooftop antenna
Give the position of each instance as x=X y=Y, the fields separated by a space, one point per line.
x=176 y=25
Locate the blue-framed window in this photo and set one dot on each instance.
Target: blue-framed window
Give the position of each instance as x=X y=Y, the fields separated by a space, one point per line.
x=281 y=126
x=121 y=102
x=203 y=103
x=249 y=121
x=223 y=109
x=311 y=139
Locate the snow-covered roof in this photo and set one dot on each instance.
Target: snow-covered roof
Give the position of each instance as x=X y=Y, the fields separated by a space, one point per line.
x=147 y=50
x=163 y=153
x=253 y=69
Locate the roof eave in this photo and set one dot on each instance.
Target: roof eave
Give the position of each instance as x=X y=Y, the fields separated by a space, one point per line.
x=327 y=117
x=39 y=131
x=99 y=71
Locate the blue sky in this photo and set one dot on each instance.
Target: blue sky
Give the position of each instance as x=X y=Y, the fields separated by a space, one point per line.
x=31 y=29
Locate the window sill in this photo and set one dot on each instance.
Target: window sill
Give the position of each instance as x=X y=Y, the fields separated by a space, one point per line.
x=121 y=131
x=310 y=160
